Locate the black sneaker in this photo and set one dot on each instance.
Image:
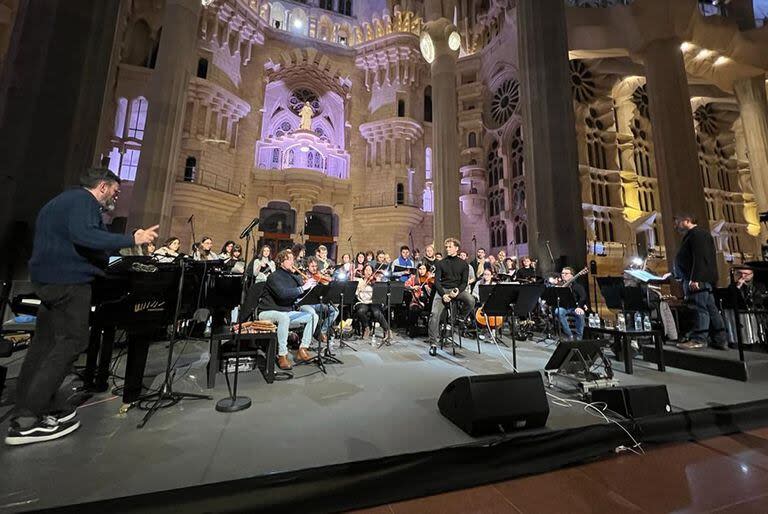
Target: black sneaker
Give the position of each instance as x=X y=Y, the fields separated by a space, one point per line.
x=46 y=429
x=64 y=415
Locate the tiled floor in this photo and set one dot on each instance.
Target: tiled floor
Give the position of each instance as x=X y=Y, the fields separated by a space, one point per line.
x=725 y=475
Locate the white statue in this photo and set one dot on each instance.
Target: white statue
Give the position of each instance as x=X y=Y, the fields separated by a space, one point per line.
x=306 y=114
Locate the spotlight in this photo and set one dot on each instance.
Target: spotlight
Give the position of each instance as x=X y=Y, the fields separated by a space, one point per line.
x=637 y=261
x=297 y=24
x=341 y=276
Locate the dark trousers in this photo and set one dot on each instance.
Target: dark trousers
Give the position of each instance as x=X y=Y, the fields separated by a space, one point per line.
x=61 y=334
x=367 y=312
x=707 y=318
x=438 y=307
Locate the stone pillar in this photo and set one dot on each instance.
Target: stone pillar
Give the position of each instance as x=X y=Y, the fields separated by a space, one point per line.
x=674 y=139
x=754 y=118
x=167 y=99
x=51 y=87
x=551 y=159
x=445 y=143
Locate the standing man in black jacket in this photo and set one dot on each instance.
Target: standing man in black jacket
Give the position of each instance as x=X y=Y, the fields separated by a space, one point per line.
x=71 y=247
x=451 y=275
x=696 y=266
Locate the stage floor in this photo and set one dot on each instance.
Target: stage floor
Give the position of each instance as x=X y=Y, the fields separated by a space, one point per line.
x=380 y=402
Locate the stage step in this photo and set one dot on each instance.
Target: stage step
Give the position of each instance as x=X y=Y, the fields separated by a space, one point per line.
x=718 y=363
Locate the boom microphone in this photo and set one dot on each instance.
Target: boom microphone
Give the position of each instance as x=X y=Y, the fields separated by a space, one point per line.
x=247 y=230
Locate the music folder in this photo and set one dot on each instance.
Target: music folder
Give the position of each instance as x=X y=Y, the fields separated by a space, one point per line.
x=403 y=269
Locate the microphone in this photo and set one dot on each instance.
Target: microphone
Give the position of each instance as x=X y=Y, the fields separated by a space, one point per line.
x=474 y=238
x=349 y=239
x=247 y=230
x=190 y=219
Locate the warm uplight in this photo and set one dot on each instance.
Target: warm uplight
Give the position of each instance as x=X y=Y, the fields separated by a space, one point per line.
x=687 y=47
x=722 y=60
x=705 y=54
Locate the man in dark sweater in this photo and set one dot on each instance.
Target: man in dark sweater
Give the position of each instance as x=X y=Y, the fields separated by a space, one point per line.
x=71 y=247
x=580 y=298
x=282 y=290
x=696 y=266
x=451 y=275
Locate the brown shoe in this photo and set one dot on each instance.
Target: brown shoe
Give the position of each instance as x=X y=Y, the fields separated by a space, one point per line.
x=283 y=362
x=302 y=355
x=690 y=345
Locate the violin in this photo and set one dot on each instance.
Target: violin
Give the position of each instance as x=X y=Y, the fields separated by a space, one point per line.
x=320 y=278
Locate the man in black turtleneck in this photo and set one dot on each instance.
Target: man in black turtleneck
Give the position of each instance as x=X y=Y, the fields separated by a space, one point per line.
x=451 y=273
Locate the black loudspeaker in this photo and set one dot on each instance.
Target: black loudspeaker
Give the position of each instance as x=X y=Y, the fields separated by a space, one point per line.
x=593 y=267
x=635 y=401
x=487 y=404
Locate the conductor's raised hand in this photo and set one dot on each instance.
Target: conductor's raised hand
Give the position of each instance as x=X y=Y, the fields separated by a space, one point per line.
x=146 y=235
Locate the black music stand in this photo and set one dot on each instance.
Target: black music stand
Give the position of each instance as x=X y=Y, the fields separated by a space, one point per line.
x=619 y=296
x=387 y=293
x=166 y=396
x=558 y=297
x=572 y=358
x=342 y=293
x=510 y=300
x=317 y=296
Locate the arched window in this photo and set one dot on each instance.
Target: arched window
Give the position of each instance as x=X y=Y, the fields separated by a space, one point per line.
x=202 y=68
x=138 y=118
x=400 y=194
x=428 y=104
x=472 y=140
x=120 y=114
x=427 y=201
x=428 y=162
x=190 y=169
x=401 y=108
x=345 y=7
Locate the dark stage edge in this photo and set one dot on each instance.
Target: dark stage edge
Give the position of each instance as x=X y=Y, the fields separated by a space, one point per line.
x=719 y=363
x=376 y=482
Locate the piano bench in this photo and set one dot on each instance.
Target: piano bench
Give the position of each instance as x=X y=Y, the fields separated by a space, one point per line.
x=249 y=346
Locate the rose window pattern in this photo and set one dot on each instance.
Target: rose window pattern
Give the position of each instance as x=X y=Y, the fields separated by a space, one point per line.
x=505 y=101
x=583 y=83
x=707 y=120
x=640 y=99
x=284 y=128
x=300 y=96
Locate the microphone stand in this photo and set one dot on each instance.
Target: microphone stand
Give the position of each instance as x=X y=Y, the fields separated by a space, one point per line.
x=191 y=222
x=233 y=402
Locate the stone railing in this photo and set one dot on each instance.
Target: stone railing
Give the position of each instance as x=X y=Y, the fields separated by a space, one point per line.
x=215 y=181
x=370 y=200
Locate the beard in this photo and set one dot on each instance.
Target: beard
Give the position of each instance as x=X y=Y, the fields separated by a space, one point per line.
x=110 y=204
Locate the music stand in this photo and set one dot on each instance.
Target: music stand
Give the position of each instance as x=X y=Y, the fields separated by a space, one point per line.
x=560 y=297
x=386 y=293
x=619 y=296
x=316 y=296
x=510 y=300
x=574 y=357
x=342 y=293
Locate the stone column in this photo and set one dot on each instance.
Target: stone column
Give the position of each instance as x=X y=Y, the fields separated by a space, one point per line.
x=445 y=158
x=167 y=93
x=551 y=159
x=674 y=139
x=754 y=118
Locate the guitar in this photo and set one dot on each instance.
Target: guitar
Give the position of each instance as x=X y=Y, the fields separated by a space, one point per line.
x=571 y=280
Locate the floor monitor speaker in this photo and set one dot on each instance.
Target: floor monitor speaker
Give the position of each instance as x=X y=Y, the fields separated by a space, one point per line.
x=488 y=404
x=635 y=401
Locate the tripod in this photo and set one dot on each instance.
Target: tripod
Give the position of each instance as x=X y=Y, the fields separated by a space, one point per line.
x=347 y=290
x=318 y=296
x=166 y=397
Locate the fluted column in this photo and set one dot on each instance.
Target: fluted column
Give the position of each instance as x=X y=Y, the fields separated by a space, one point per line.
x=674 y=139
x=754 y=117
x=166 y=98
x=551 y=159
x=445 y=170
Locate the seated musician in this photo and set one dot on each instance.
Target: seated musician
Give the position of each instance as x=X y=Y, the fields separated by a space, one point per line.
x=323 y=261
x=451 y=278
x=429 y=258
x=282 y=290
x=262 y=265
x=345 y=267
x=360 y=261
x=71 y=247
x=464 y=256
x=420 y=285
x=169 y=251
x=478 y=263
x=753 y=293
x=226 y=250
x=580 y=298
x=526 y=272
x=300 y=256
x=365 y=311
x=203 y=252
x=486 y=280
x=235 y=261
x=327 y=313
x=510 y=264
x=501 y=263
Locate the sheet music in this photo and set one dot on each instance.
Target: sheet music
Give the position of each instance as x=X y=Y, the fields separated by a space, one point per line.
x=642 y=275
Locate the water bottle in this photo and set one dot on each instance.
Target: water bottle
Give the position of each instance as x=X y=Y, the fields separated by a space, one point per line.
x=638 y=322
x=647 y=323
x=593 y=320
x=621 y=323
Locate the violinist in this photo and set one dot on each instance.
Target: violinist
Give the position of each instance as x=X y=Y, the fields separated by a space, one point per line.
x=323 y=261
x=420 y=285
x=346 y=268
x=327 y=313
x=360 y=261
x=365 y=311
x=262 y=265
x=486 y=280
x=282 y=290
x=300 y=253
x=567 y=279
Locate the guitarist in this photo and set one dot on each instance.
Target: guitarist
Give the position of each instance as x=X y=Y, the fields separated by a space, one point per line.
x=568 y=279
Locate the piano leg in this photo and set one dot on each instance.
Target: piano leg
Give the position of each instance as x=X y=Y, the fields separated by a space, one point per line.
x=105 y=359
x=135 y=364
x=92 y=356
